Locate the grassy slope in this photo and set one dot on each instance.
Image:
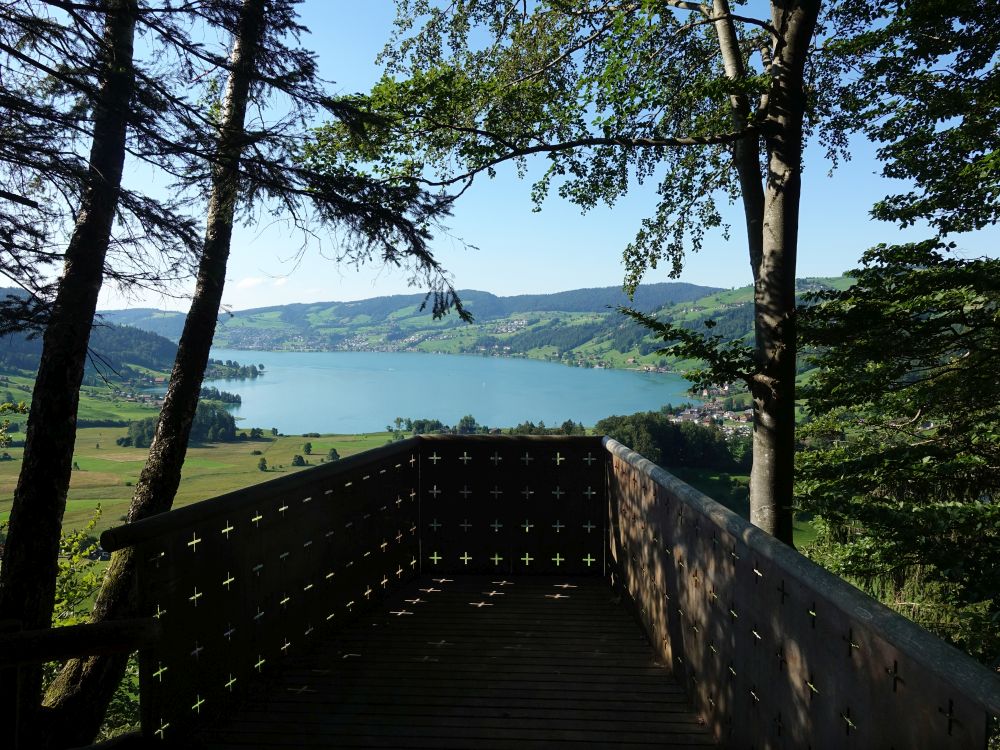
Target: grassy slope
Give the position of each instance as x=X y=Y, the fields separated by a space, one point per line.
x=107 y=472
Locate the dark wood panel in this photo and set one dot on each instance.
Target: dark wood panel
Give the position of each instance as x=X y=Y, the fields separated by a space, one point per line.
x=473 y=661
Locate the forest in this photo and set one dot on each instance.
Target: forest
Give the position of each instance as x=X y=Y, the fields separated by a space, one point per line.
x=900 y=461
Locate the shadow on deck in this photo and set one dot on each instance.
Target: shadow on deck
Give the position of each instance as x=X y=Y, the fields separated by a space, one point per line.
x=474 y=662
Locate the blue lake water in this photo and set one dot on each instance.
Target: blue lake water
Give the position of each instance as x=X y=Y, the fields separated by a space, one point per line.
x=350 y=392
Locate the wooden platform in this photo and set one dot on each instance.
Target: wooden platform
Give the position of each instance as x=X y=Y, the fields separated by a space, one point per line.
x=475 y=662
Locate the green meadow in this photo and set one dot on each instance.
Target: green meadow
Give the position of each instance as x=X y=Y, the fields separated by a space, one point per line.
x=105 y=473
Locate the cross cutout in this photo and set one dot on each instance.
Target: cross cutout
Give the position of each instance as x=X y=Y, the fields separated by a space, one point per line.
x=418 y=600
x=228 y=635
x=496 y=525
x=496 y=492
x=502 y=583
x=260 y=662
x=260 y=613
x=195 y=596
x=480 y=605
x=465 y=492
x=434 y=492
x=400 y=612
x=383 y=545
x=589 y=492
x=465 y=558
x=556 y=596
x=198 y=648
x=557 y=492
x=257 y=519
x=158 y=674
x=589 y=459
x=558 y=458
x=195 y=540
x=368 y=592
x=282 y=509
x=465 y=458
x=493 y=593
x=496 y=458
x=230 y=683
x=384 y=581
x=784 y=593
x=435 y=558
x=159 y=612
x=558 y=526
x=497 y=558
x=286 y=645
x=228 y=581
x=589 y=559
x=434 y=457
x=227 y=530
x=435 y=525
x=558 y=559
x=527 y=525
x=894 y=673
x=164 y=725
x=527 y=492
x=399 y=537
x=526 y=458
x=466 y=525
x=413 y=460
x=527 y=559
x=589 y=526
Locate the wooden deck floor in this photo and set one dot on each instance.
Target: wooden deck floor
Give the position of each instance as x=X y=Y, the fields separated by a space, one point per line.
x=475 y=662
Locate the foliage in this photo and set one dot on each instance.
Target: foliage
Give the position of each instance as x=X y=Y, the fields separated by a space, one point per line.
x=903 y=458
x=332 y=455
x=925 y=87
x=298 y=460
x=262 y=464
x=210 y=393
x=212 y=424
x=307 y=448
x=670 y=444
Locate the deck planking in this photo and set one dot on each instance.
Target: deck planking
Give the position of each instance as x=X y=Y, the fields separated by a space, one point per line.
x=473 y=662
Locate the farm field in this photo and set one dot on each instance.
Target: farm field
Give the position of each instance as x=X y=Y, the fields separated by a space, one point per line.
x=107 y=472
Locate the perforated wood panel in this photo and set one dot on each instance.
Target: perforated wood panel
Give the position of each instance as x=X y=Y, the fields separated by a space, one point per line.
x=513 y=504
x=775 y=652
x=237 y=590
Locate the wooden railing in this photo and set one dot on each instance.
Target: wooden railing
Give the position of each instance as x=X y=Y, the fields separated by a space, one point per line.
x=775 y=651
x=244 y=579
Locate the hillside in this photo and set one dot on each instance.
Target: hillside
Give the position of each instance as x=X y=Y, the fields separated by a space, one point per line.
x=578 y=327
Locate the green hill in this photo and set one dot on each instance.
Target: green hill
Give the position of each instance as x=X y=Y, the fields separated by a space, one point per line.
x=578 y=327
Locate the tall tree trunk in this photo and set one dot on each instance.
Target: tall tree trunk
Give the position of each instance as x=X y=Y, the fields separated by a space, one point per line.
x=30 y=559
x=80 y=694
x=746 y=152
x=773 y=388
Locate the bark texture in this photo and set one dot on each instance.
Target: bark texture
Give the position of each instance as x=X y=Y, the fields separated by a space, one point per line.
x=773 y=388
x=30 y=560
x=79 y=696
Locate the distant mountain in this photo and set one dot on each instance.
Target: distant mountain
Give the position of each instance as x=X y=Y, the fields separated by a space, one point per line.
x=321 y=325
x=577 y=327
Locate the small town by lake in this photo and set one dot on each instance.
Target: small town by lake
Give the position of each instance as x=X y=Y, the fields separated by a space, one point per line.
x=356 y=392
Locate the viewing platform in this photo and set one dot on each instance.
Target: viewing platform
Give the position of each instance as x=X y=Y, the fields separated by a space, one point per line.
x=506 y=592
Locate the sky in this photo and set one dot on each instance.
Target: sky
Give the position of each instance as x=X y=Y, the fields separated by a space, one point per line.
x=518 y=251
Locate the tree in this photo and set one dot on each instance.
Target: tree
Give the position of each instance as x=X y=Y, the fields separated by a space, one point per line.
x=298 y=460
x=467 y=425
x=30 y=559
x=262 y=464
x=904 y=450
x=307 y=449
x=391 y=218
x=332 y=455
x=709 y=99
x=903 y=458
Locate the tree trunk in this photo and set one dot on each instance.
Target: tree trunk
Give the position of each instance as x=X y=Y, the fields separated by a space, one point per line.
x=80 y=695
x=30 y=559
x=746 y=152
x=773 y=388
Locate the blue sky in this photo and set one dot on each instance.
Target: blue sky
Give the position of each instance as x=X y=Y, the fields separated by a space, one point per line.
x=520 y=251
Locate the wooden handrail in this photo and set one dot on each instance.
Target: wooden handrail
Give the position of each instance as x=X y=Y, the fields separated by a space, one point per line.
x=148 y=528
x=89 y=639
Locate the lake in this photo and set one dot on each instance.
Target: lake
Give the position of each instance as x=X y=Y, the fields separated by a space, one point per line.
x=352 y=392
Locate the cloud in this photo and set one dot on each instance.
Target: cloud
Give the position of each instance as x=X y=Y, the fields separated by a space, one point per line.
x=249 y=282
x=280 y=282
